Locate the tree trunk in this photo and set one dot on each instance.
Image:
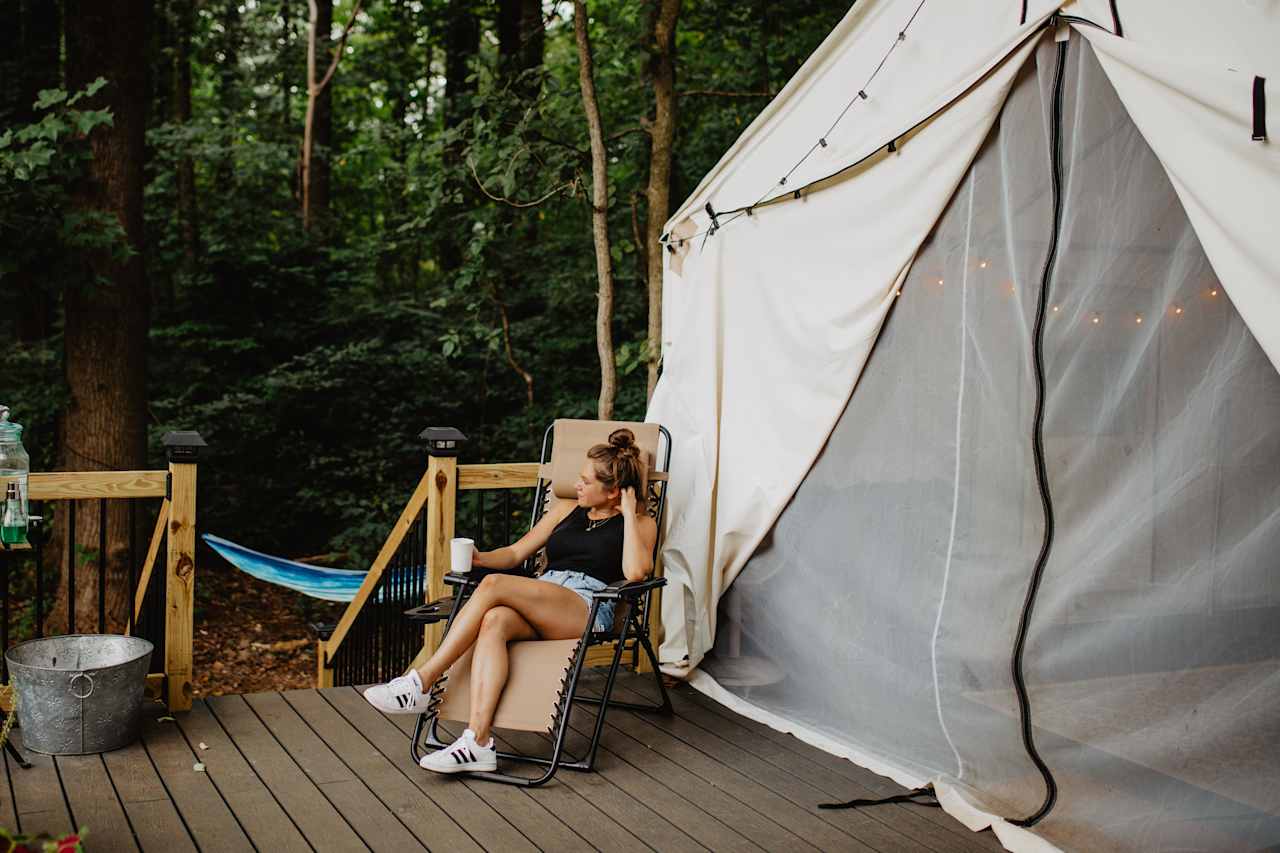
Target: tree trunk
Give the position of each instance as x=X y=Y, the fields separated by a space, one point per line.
x=662 y=136
x=36 y=67
x=521 y=40
x=286 y=103
x=230 y=92
x=181 y=115
x=107 y=311
x=599 y=214
x=322 y=130
x=461 y=43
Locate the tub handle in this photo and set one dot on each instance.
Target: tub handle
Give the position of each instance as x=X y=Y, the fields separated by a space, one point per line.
x=72 y=682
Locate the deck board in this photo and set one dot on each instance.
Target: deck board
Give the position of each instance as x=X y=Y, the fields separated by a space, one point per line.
x=37 y=793
x=211 y=823
x=799 y=780
x=322 y=770
x=523 y=809
x=301 y=800
x=261 y=816
x=93 y=800
x=372 y=821
x=487 y=827
x=865 y=782
x=152 y=815
x=384 y=779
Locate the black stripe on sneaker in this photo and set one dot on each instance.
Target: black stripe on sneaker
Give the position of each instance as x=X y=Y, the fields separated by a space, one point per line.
x=457 y=756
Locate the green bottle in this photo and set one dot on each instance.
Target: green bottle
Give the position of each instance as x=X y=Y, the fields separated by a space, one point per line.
x=13 y=524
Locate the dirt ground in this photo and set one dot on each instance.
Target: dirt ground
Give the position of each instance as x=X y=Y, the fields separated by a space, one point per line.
x=251 y=635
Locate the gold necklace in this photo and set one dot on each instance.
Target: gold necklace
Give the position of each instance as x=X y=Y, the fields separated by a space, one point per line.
x=593 y=523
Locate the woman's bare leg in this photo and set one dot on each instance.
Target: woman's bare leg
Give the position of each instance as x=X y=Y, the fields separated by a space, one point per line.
x=489 y=665
x=554 y=612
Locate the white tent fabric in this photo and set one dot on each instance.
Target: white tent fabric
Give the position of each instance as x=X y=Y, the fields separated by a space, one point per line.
x=888 y=531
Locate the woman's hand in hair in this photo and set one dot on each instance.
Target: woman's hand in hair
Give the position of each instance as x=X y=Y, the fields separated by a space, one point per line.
x=629 y=501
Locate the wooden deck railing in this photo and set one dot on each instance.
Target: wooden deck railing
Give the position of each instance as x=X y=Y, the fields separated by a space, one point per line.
x=171 y=623
x=433 y=506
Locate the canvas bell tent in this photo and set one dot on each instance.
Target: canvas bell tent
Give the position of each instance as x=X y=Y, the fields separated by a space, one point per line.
x=970 y=358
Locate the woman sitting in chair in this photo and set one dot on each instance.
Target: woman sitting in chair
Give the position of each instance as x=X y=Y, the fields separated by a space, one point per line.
x=603 y=537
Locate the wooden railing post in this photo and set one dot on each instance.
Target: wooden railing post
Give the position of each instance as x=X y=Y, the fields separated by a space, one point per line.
x=443 y=445
x=183 y=449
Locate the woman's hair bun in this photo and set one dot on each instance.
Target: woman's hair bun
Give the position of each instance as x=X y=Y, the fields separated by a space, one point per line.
x=622 y=439
x=619 y=462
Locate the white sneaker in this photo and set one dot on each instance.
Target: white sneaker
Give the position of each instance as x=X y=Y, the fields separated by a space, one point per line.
x=403 y=695
x=462 y=756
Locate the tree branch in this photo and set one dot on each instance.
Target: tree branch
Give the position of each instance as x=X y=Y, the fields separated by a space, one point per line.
x=716 y=93
x=613 y=137
x=511 y=358
x=479 y=183
x=342 y=43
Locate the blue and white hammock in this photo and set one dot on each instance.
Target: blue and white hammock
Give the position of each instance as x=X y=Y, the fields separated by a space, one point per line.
x=315 y=581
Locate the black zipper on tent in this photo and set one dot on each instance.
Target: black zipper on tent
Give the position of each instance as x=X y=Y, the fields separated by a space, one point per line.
x=1037 y=441
x=1259 y=109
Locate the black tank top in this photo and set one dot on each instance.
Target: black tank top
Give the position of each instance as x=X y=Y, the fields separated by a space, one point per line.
x=596 y=552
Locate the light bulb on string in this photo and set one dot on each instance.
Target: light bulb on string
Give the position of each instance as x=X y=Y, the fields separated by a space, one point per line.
x=1095 y=318
x=1055 y=309
x=1137 y=318
x=939 y=282
x=1177 y=309
x=1213 y=291
x=982 y=265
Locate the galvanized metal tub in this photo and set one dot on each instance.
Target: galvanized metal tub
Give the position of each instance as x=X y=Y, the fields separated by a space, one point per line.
x=80 y=693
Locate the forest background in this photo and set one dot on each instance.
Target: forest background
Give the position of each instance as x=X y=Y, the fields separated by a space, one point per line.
x=157 y=270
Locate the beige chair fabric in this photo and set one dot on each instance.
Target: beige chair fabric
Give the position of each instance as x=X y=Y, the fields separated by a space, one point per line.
x=535 y=681
x=571 y=439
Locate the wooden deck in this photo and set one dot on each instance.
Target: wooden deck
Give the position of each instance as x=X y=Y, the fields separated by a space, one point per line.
x=322 y=770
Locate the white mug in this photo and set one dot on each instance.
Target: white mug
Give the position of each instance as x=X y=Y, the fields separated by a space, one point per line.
x=460 y=551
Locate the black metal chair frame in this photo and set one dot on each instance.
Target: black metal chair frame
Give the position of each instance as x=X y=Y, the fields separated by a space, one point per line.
x=638 y=598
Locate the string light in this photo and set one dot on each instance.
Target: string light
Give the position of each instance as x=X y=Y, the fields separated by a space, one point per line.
x=1177 y=309
x=1137 y=318
x=939 y=282
x=1213 y=292
x=1055 y=309
x=982 y=265
x=822 y=142
x=1095 y=319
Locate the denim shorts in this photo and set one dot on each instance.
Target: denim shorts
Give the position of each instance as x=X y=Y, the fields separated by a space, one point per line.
x=584 y=585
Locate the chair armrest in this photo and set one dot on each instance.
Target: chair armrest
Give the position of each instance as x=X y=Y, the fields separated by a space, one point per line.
x=629 y=589
x=473 y=577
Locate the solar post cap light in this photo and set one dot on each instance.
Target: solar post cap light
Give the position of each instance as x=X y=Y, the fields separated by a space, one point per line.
x=443 y=441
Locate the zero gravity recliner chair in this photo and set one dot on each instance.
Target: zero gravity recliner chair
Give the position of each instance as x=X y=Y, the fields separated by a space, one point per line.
x=543 y=675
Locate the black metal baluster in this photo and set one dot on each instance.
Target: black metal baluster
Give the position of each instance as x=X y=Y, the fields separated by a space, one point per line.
x=133 y=569
x=506 y=516
x=389 y=633
x=39 y=552
x=102 y=565
x=71 y=567
x=6 y=562
x=364 y=644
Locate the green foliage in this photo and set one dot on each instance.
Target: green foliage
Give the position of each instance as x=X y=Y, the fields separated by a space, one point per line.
x=310 y=361
x=39 y=164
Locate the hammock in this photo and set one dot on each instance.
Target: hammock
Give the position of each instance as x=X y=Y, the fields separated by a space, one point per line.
x=315 y=581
